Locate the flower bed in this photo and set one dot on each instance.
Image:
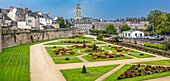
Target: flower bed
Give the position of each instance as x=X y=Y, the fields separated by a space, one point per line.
x=105 y=55
x=63 y=52
x=140 y=70
x=77 y=42
x=83 y=46
x=73 y=37
x=143 y=49
x=90 y=50
x=120 y=49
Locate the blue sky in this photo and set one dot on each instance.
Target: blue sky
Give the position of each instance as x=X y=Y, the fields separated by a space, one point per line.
x=105 y=9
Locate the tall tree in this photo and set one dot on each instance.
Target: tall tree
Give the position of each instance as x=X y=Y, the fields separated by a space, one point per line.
x=125 y=27
x=111 y=29
x=152 y=17
x=61 y=22
x=163 y=26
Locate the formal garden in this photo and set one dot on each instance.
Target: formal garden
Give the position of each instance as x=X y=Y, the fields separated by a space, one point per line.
x=74 y=49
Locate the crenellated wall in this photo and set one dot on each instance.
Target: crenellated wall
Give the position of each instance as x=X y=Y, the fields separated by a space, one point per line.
x=12 y=38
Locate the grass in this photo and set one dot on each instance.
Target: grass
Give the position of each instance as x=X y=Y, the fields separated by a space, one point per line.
x=144 y=56
x=114 y=76
x=62 y=60
x=52 y=54
x=160 y=62
x=86 y=37
x=15 y=62
x=105 y=59
x=92 y=73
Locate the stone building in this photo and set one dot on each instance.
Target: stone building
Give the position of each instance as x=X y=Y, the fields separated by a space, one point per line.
x=104 y=25
x=135 y=23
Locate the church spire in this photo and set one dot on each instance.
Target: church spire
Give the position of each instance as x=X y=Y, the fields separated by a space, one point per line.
x=78 y=6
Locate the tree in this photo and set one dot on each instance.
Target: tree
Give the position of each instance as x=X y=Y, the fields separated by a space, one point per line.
x=94 y=47
x=125 y=27
x=111 y=29
x=152 y=17
x=164 y=25
x=61 y=22
x=99 y=37
x=84 y=69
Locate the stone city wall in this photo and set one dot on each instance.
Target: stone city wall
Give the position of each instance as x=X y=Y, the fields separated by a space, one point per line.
x=12 y=38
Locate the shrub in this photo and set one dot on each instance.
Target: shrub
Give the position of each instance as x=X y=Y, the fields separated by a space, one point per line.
x=141 y=54
x=94 y=47
x=162 y=47
x=147 y=44
x=99 y=37
x=54 y=46
x=67 y=58
x=84 y=69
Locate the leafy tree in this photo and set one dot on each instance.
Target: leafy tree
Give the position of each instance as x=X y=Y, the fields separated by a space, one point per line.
x=149 y=28
x=164 y=26
x=61 y=22
x=152 y=17
x=111 y=29
x=99 y=37
x=84 y=69
x=125 y=27
x=168 y=17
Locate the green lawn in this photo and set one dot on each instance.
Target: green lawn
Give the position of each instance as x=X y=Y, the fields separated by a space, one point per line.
x=114 y=76
x=92 y=73
x=105 y=59
x=62 y=60
x=15 y=62
x=86 y=37
x=52 y=54
x=144 y=56
x=160 y=62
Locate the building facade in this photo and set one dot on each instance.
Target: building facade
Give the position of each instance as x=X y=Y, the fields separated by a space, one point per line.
x=78 y=12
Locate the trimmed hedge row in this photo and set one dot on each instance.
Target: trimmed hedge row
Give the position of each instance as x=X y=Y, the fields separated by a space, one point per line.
x=156 y=46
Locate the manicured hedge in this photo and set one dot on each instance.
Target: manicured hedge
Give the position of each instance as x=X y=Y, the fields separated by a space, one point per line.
x=163 y=47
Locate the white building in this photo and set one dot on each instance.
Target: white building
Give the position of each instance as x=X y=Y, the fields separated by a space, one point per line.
x=78 y=12
x=132 y=34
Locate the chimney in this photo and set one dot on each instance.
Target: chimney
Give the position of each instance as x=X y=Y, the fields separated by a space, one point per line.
x=48 y=14
x=11 y=8
x=26 y=9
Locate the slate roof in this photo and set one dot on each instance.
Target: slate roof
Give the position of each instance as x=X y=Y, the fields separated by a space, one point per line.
x=54 y=22
x=20 y=11
x=46 y=16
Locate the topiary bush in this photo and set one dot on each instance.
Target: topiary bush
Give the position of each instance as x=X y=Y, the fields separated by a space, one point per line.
x=84 y=69
x=94 y=47
x=67 y=58
x=141 y=54
x=99 y=37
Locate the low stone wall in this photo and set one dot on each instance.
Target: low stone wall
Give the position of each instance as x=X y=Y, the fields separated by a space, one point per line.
x=12 y=38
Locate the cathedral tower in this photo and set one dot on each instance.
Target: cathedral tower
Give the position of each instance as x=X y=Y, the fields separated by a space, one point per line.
x=78 y=12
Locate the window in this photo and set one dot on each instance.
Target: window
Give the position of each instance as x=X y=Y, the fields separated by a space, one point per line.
x=129 y=34
x=135 y=34
x=126 y=34
x=140 y=34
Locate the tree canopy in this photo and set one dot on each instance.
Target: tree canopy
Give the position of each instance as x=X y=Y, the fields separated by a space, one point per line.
x=125 y=27
x=111 y=29
x=159 y=22
x=61 y=22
